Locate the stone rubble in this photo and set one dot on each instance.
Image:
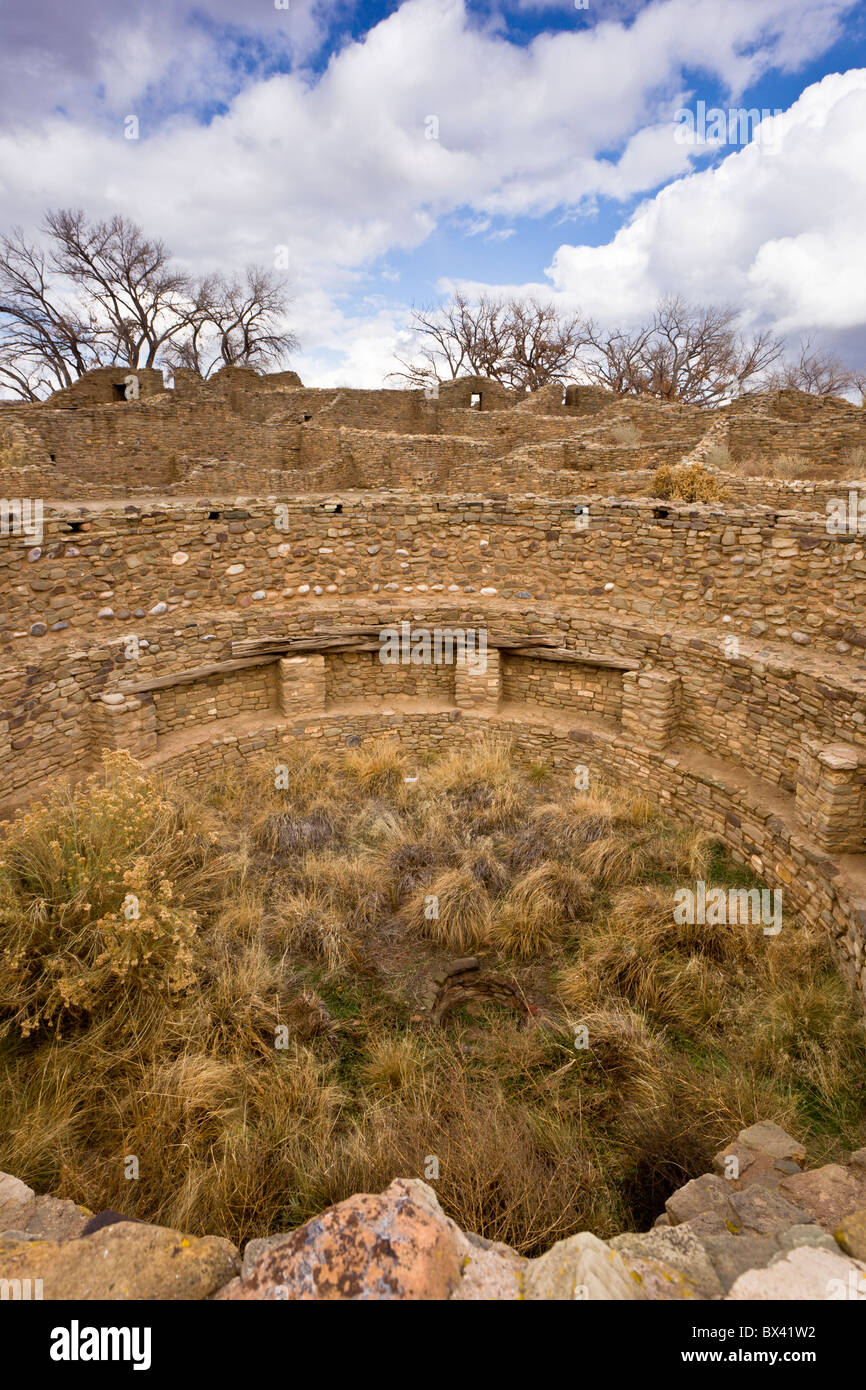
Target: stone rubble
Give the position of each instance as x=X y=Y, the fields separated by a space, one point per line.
x=774 y=1231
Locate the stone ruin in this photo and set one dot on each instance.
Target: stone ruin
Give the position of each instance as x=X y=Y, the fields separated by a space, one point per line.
x=198 y=574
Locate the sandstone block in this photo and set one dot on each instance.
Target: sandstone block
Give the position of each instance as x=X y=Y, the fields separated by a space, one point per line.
x=128 y=1260
x=399 y=1245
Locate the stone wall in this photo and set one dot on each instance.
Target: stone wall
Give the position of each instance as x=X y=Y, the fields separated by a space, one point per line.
x=564 y=686
x=776 y=576
x=216 y=697
x=352 y=677
x=712 y=654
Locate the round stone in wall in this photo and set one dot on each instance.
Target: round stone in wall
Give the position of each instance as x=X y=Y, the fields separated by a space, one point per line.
x=179 y=557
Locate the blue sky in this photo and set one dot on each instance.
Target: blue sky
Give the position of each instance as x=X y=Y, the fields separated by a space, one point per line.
x=555 y=168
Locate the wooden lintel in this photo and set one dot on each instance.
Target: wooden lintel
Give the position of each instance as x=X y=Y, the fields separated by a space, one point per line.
x=195 y=673
x=616 y=663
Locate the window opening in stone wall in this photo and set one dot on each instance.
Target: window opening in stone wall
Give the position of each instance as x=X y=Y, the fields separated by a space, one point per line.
x=475 y=401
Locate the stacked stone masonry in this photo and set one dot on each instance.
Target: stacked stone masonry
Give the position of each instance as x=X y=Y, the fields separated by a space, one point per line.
x=712 y=654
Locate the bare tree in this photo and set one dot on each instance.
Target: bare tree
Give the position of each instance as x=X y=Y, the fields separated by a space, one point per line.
x=138 y=294
x=100 y=293
x=522 y=343
x=47 y=338
x=236 y=324
x=544 y=345
x=816 y=371
x=687 y=353
x=457 y=339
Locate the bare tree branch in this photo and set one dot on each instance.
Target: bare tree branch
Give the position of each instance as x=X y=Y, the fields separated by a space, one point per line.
x=687 y=353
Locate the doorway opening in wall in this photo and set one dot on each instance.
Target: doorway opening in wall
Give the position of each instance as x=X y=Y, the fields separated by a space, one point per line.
x=119 y=390
x=475 y=401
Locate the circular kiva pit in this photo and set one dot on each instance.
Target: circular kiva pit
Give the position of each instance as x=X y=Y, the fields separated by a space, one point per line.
x=208 y=579
x=209 y=571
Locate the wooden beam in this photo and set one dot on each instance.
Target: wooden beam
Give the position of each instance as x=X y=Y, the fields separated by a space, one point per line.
x=616 y=663
x=353 y=639
x=195 y=673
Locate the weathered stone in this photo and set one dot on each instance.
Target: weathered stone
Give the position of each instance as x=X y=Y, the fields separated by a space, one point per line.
x=676 y=1246
x=828 y=1193
x=128 y=1260
x=766 y=1137
x=802 y=1274
x=51 y=1218
x=13 y=1192
x=760 y=1211
x=581 y=1267
x=732 y=1255
x=488 y=1275
x=851 y=1234
x=399 y=1245
x=707 y=1193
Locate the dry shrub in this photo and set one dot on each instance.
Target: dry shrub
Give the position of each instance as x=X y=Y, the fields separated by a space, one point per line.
x=310 y=923
x=100 y=896
x=686 y=482
x=719 y=456
x=540 y=908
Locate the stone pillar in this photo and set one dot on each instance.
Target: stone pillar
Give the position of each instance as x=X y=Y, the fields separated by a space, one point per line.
x=831 y=795
x=474 y=688
x=124 y=721
x=650 y=707
x=301 y=684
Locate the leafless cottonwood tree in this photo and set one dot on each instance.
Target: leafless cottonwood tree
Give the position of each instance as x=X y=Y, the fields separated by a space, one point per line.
x=236 y=324
x=817 y=371
x=686 y=352
x=93 y=294
x=523 y=343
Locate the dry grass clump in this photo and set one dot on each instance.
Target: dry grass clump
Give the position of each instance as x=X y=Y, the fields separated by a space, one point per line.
x=686 y=482
x=454 y=910
x=854 y=465
x=719 y=456
x=626 y=434
x=255 y=1035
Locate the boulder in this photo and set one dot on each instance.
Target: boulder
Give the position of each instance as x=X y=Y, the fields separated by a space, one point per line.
x=827 y=1193
x=760 y=1211
x=50 y=1218
x=674 y=1248
x=705 y=1194
x=488 y=1275
x=13 y=1192
x=804 y=1273
x=127 y=1260
x=851 y=1234
x=581 y=1267
x=399 y=1245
